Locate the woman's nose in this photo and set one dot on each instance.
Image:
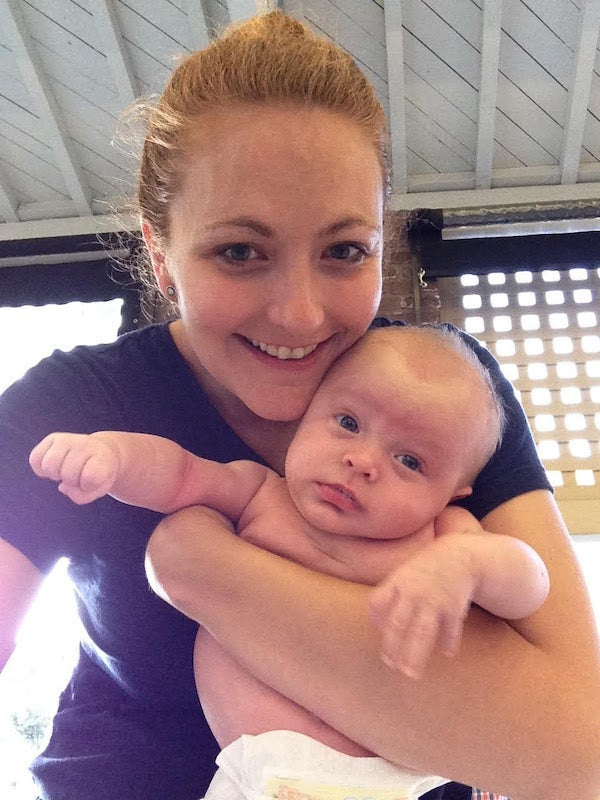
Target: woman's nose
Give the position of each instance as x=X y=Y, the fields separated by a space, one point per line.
x=297 y=302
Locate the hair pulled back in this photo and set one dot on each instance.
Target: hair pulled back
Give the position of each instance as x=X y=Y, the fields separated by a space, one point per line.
x=271 y=58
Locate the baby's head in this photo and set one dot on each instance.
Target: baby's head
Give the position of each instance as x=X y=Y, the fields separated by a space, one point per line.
x=408 y=409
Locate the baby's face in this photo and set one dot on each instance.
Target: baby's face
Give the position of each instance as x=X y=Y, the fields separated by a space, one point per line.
x=381 y=450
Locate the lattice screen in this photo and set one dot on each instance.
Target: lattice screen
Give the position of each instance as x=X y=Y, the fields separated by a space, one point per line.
x=544 y=329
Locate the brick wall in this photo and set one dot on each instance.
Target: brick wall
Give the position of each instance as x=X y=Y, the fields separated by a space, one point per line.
x=406 y=295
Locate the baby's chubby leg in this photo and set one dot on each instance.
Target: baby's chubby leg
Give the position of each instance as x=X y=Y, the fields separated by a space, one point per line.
x=85 y=466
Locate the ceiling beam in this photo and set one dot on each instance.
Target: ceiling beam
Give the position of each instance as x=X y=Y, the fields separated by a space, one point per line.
x=109 y=30
x=472 y=198
x=197 y=25
x=295 y=8
x=8 y=200
x=579 y=93
x=397 y=111
x=55 y=130
x=242 y=9
x=488 y=89
x=69 y=226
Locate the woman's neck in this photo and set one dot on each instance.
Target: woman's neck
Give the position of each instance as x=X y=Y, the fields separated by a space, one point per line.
x=270 y=439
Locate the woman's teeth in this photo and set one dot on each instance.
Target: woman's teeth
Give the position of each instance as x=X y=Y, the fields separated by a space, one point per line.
x=284 y=353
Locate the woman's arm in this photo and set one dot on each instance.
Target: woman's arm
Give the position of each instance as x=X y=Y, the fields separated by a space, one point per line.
x=517 y=711
x=19 y=583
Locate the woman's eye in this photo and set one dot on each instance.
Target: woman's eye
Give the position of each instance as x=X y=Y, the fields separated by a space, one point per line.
x=347 y=422
x=239 y=252
x=409 y=461
x=347 y=252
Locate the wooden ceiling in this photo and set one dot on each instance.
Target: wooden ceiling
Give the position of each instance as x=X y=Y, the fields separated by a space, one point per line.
x=490 y=102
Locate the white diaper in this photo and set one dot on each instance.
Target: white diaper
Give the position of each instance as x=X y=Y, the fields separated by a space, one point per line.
x=291 y=766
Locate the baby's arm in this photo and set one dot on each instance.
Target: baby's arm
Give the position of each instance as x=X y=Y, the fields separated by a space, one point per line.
x=144 y=470
x=427 y=598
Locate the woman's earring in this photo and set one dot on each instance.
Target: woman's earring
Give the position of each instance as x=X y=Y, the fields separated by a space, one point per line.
x=171 y=293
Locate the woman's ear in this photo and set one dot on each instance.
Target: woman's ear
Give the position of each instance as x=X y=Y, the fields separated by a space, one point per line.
x=157 y=257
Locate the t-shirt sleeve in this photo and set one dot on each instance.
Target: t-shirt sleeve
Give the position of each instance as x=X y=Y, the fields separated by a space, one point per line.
x=34 y=517
x=515 y=467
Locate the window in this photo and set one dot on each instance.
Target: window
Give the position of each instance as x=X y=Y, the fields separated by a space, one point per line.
x=48 y=641
x=544 y=330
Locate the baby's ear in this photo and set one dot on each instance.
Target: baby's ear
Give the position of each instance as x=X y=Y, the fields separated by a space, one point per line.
x=462 y=493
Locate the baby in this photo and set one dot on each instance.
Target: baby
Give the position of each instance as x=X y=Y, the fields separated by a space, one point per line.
x=399 y=428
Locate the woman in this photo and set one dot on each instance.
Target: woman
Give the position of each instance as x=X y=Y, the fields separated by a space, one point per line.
x=261 y=192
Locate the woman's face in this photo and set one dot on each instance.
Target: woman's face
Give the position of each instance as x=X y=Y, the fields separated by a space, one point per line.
x=275 y=253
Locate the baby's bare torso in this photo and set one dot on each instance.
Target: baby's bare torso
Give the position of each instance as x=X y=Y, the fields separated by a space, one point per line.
x=234 y=701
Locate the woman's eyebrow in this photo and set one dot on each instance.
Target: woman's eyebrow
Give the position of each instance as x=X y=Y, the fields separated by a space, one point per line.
x=265 y=230
x=243 y=222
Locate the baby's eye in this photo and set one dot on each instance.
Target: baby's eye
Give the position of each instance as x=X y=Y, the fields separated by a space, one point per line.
x=239 y=252
x=346 y=251
x=409 y=461
x=347 y=422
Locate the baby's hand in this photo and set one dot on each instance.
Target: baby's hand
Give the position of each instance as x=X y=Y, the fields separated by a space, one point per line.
x=85 y=466
x=424 y=601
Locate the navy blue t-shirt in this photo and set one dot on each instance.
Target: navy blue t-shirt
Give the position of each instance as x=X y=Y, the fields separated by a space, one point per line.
x=129 y=724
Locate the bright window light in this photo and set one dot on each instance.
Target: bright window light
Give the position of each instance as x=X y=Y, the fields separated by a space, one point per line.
x=526 y=298
x=544 y=422
x=580 y=448
x=469 y=280
x=505 y=347
x=578 y=274
x=471 y=301
x=593 y=369
x=474 y=324
x=523 y=276
x=555 y=298
x=48 y=640
x=541 y=397
x=586 y=319
x=555 y=477
x=499 y=300
x=585 y=477
x=557 y=321
x=548 y=449
x=550 y=275
x=530 y=322
x=582 y=296
x=533 y=346
x=566 y=370
x=590 y=344
x=575 y=422
x=562 y=345
x=502 y=323
x=537 y=371
x=570 y=395
x=496 y=278
x=510 y=371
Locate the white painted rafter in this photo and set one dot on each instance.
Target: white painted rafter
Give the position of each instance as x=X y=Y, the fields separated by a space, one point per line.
x=8 y=200
x=115 y=48
x=488 y=89
x=397 y=111
x=242 y=9
x=579 y=94
x=34 y=78
x=197 y=25
x=295 y=8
